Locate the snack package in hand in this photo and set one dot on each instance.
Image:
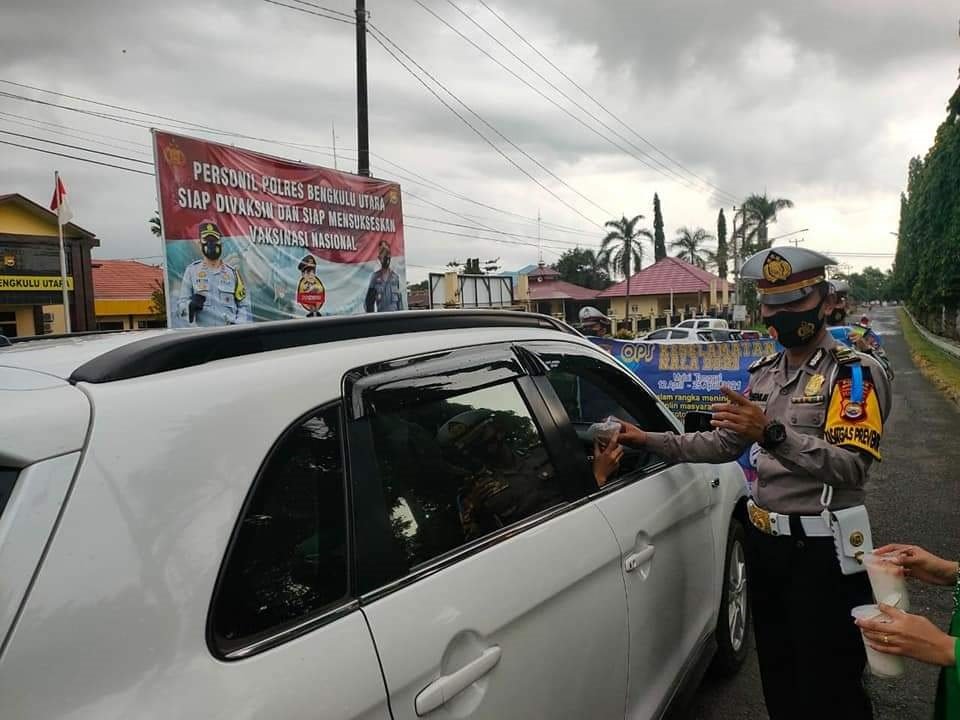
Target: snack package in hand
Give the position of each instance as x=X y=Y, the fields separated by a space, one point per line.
x=604 y=432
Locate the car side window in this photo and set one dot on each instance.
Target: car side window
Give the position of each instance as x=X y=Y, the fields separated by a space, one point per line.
x=456 y=469
x=591 y=390
x=658 y=335
x=678 y=335
x=8 y=479
x=288 y=559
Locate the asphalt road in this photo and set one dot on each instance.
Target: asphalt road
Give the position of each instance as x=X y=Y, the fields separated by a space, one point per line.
x=913 y=497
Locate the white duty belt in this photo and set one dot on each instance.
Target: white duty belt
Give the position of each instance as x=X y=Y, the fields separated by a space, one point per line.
x=778 y=524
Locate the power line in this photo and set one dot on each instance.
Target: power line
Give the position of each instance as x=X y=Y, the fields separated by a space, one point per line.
x=644 y=157
x=311 y=12
x=573 y=82
x=76 y=147
x=46 y=126
x=325 y=9
x=195 y=127
x=374 y=34
x=498 y=232
x=74 y=157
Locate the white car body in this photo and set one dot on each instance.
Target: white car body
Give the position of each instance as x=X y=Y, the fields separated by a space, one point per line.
x=704 y=324
x=678 y=335
x=128 y=493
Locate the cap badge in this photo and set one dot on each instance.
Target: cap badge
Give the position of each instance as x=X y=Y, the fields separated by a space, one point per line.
x=776 y=268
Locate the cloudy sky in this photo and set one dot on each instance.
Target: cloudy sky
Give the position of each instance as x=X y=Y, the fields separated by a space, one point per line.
x=822 y=102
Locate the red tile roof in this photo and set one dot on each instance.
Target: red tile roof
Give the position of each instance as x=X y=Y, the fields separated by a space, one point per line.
x=558 y=290
x=125 y=279
x=669 y=274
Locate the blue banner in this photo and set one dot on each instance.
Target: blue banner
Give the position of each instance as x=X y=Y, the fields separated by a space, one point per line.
x=689 y=376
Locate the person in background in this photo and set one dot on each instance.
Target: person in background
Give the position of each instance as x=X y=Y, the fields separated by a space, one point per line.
x=594 y=322
x=914 y=636
x=838 y=316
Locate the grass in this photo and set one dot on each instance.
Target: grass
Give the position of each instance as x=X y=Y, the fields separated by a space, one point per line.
x=942 y=368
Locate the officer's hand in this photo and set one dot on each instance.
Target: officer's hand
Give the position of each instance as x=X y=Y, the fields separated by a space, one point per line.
x=921 y=564
x=739 y=415
x=631 y=435
x=197 y=301
x=606 y=461
x=913 y=636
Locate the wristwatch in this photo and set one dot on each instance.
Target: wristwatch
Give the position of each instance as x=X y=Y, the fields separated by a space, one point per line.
x=773 y=434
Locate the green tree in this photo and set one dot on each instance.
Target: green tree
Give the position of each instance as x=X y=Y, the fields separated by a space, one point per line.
x=721 y=256
x=659 y=239
x=927 y=266
x=158 y=300
x=155 y=224
x=623 y=248
x=581 y=267
x=689 y=245
x=757 y=213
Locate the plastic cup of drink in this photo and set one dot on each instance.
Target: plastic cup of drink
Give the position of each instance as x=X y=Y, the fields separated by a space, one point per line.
x=881 y=664
x=887 y=580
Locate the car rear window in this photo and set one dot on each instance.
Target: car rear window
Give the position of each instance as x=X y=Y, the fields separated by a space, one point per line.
x=8 y=478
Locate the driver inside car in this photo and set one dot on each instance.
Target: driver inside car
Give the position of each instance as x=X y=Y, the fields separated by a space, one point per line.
x=509 y=474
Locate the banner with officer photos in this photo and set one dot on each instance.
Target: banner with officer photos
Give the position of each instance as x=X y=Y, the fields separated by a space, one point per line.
x=249 y=237
x=688 y=377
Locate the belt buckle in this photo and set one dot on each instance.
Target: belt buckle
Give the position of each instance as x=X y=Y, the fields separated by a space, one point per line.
x=760 y=519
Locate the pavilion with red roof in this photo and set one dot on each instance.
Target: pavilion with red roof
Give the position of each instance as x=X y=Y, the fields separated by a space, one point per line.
x=550 y=295
x=668 y=283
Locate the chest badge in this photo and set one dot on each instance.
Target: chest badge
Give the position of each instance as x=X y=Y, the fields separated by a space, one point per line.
x=814 y=385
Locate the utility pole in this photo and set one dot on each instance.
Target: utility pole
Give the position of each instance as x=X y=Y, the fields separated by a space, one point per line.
x=363 y=133
x=539 y=242
x=736 y=261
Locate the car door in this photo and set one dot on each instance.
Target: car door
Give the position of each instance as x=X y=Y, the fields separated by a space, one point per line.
x=492 y=585
x=660 y=512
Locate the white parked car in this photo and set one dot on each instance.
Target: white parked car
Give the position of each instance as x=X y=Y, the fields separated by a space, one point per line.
x=390 y=516
x=704 y=323
x=678 y=335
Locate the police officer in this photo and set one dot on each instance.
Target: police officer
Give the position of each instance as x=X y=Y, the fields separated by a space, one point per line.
x=816 y=411
x=212 y=293
x=383 y=292
x=838 y=316
x=594 y=322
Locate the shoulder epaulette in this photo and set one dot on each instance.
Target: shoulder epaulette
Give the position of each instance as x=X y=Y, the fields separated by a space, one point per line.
x=845 y=356
x=763 y=362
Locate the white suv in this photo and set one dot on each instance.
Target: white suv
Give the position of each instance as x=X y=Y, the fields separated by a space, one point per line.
x=704 y=324
x=377 y=517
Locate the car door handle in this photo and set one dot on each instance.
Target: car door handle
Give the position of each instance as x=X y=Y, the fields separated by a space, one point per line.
x=633 y=562
x=447 y=687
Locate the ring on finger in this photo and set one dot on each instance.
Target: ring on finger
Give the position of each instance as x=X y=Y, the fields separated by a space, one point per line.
x=886 y=639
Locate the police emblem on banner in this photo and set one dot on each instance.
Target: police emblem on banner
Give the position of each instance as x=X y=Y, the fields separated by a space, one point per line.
x=9 y=261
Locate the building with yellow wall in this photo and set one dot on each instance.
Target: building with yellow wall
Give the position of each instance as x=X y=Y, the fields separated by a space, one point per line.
x=666 y=292
x=31 y=298
x=127 y=296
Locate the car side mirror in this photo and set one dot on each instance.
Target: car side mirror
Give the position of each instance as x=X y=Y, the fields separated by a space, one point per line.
x=696 y=421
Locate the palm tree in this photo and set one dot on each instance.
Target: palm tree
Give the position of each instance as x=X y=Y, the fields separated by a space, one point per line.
x=622 y=247
x=690 y=245
x=155 y=224
x=756 y=214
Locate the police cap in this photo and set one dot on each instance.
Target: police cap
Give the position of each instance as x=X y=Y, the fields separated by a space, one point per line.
x=209 y=230
x=462 y=430
x=591 y=314
x=309 y=261
x=786 y=274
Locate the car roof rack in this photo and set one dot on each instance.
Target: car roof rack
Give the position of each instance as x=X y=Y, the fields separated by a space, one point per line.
x=177 y=350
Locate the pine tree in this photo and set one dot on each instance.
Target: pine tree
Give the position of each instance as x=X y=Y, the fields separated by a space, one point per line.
x=722 y=252
x=659 y=240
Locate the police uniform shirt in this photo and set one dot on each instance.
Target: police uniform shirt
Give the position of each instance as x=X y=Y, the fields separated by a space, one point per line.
x=824 y=444
x=387 y=289
x=227 y=301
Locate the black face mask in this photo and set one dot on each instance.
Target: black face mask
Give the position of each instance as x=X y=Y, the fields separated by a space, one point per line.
x=796 y=328
x=211 y=249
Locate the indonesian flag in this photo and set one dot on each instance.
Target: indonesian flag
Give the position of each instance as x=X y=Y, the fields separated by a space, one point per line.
x=59 y=203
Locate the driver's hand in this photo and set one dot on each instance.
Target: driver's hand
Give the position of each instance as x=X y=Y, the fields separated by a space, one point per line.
x=606 y=461
x=631 y=435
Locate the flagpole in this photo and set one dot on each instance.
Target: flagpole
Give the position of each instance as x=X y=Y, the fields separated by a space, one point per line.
x=63 y=254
